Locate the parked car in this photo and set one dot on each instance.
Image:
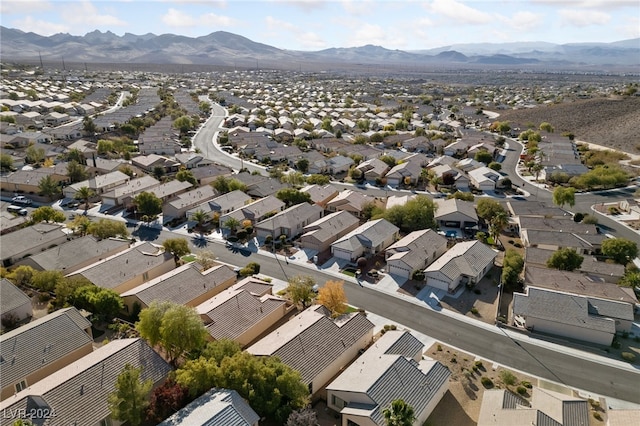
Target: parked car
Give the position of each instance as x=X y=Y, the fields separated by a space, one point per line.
x=18 y=210
x=22 y=200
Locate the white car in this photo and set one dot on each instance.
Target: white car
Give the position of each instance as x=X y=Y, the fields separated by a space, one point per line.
x=21 y=199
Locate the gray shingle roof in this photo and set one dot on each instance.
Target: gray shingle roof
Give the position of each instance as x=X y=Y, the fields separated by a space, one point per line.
x=32 y=236
x=300 y=214
x=182 y=285
x=590 y=264
x=41 y=342
x=311 y=341
x=217 y=407
x=75 y=252
x=417 y=248
x=112 y=272
x=328 y=227
x=11 y=297
x=466 y=258
x=370 y=234
x=78 y=392
x=453 y=205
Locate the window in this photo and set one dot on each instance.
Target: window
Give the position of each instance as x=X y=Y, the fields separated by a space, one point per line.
x=21 y=385
x=145 y=276
x=338 y=402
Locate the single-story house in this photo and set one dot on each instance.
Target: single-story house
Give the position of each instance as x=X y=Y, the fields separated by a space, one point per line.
x=591 y=266
x=16 y=305
x=29 y=241
x=99 y=184
x=215 y=407
x=551 y=239
x=327 y=344
x=484 y=178
x=571 y=315
x=37 y=349
x=392 y=367
x=125 y=193
x=178 y=207
x=320 y=234
x=350 y=201
x=86 y=383
x=366 y=240
x=463 y=264
x=373 y=169
x=455 y=213
x=414 y=252
x=243 y=312
x=321 y=195
x=255 y=211
x=289 y=222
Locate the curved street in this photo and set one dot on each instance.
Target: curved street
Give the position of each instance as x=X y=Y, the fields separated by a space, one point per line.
x=576 y=369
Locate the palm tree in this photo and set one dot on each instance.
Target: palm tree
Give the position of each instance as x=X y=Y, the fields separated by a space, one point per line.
x=84 y=194
x=399 y=414
x=232 y=223
x=200 y=217
x=499 y=221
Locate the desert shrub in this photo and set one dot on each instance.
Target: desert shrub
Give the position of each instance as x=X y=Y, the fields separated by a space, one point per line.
x=479 y=364
x=439 y=348
x=522 y=390
x=474 y=310
x=508 y=378
x=628 y=356
x=517 y=244
x=526 y=384
x=486 y=382
x=454 y=360
x=597 y=416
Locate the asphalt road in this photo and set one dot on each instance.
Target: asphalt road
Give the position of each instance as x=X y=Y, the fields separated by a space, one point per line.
x=494 y=344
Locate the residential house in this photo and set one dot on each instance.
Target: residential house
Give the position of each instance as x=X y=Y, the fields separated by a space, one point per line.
x=328 y=344
x=188 y=284
x=320 y=234
x=591 y=265
x=289 y=222
x=124 y=194
x=484 y=178
x=15 y=307
x=76 y=254
x=373 y=169
x=578 y=317
x=98 y=184
x=414 y=252
x=406 y=173
x=367 y=240
x=42 y=347
x=207 y=174
x=455 y=213
x=78 y=393
x=27 y=181
x=339 y=164
x=222 y=204
x=243 y=312
x=149 y=163
x=559 y=224
x=130 y=268
x=534 y=208
x=551 y=239
x=178 y=207
x=215 y=407
x=55 y=119
x=24 y=139
x=501 y=407
x=192 y=160
x=463 y=264
x=321 y=195
x=451 y=177
x=29 y=241
x=254 y=212
x=10 y=222
x=393 y=366
x=353 y=202
x=170 y=190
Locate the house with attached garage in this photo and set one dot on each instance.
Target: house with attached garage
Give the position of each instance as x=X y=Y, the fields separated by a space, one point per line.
x=16 y=305
x=353 y=202
x=414 y=252
x=578 y=317
x=320 y=234
x=373 y=169
x=454 y=213
x=316 y=345
x=392 y=366
x=35 y=350
x=463 y=264
x=188 y=284
x=255 y=211
x=289 y=222
x=367 y=240
x=484 y=178
x=29 y=241
x=215 y=407
x=180 y=205
x=222 y=204
x=243 y=312
x=98 y=184
x=124 y=194
x=321 y=195
x=79 y=392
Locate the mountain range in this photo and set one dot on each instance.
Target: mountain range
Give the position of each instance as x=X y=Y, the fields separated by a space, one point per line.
x=224 y=48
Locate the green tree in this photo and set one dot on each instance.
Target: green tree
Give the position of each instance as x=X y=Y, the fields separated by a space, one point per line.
x=49 y=187
x=204 y=107
x=300 y=290
x=414 y=215
x=80 y=225
x=483 y=156
x=497 y=223
x=302 y=165
x=178 y=329
x=293 y=178
x=102 y=302
x=565 y=259
x=200 y=217
x=232 y=224
x=292 y=196
x=34 y=155
x=487 y=208
x=512 y=266
x=183 y=123
x=46 y=280
x=399 y=413
x=494 y=165
x=6 y=162
x=76 y=171
x=317 y=179
x=47 y=214
x=224 y=185
x=88 y=125
x=128 y=401
x=388 y=159
x=107 y=228
x=547 y=127
x=158 y=172
x=148 y=204
x=178 y=247
x=185 y=175
x=459 y=195
x=84 y=194
x=621 y=250
x=562 y=196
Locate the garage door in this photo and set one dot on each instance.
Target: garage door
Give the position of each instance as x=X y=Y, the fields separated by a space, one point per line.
x=438 y=284
x=401 y=272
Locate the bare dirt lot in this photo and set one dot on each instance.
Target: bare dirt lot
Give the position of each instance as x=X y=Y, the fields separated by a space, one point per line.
x=612 y=122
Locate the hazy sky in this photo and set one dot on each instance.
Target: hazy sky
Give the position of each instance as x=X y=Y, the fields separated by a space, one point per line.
x=319 y=24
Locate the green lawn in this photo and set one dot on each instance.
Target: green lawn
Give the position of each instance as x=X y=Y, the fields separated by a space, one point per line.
x=189 y=258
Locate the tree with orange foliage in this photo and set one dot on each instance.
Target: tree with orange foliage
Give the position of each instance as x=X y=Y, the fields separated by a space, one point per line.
x=332 y=297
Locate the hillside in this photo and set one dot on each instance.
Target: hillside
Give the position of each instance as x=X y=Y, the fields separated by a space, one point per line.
x=612 y=122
